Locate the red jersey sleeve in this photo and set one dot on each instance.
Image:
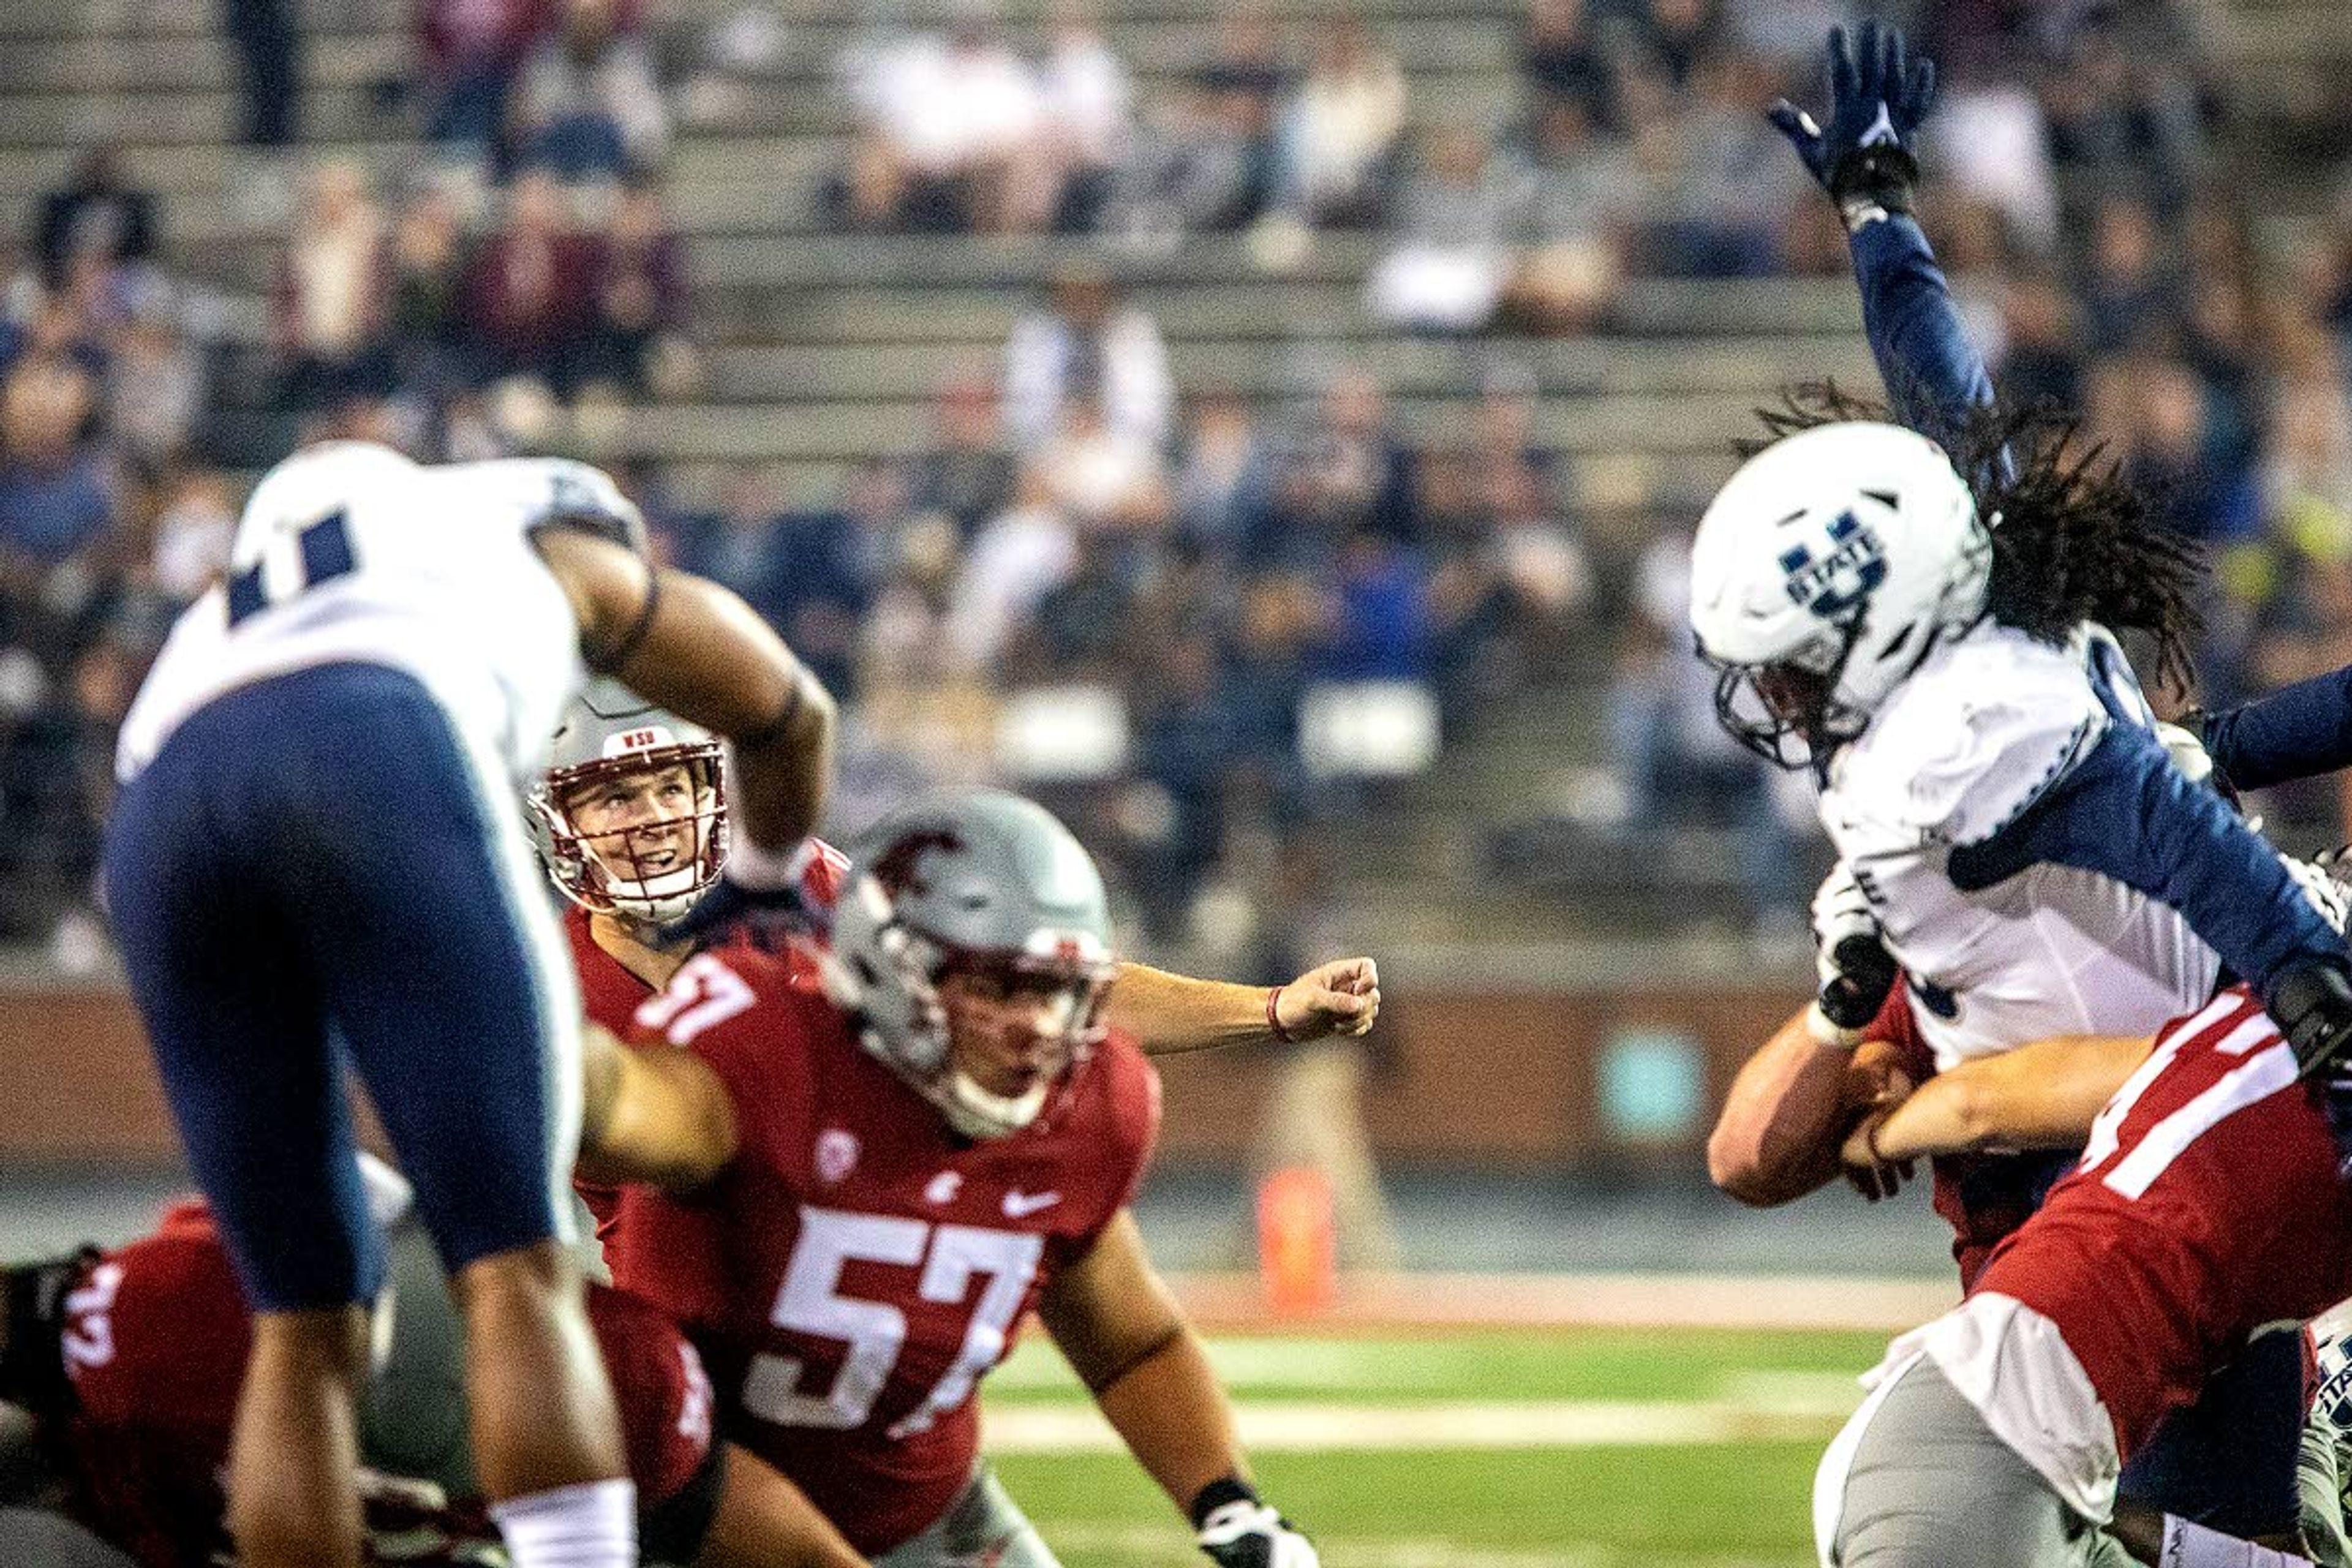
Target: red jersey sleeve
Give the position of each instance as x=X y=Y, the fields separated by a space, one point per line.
x=1116 y=1111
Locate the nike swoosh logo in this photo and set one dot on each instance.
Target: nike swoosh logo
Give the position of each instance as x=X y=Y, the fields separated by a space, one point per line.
x=1021 y=1206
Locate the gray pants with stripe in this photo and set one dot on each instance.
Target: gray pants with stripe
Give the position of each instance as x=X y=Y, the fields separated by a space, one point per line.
x=1931 y=1486
x=984 y=1529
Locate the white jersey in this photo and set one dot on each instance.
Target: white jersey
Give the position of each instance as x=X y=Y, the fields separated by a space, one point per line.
x=349 y=553
x=1973 y=739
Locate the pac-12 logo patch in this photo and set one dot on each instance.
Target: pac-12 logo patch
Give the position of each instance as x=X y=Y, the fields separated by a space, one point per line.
x=837 y=1154
x=1835 y=585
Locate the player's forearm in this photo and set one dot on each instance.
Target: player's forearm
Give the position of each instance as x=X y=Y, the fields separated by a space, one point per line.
x=763 y=1520
x=1172 y=1415
x=2041 y=1096
x=1777 y=1138
x=2294 y=734
x=1168 y=1012
x=652 y=1117
x=1933 y=375
x=704 y=656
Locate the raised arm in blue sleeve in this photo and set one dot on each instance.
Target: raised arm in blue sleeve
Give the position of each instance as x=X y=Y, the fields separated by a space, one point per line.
x=2294 y=734
x=2126 y=812
x=1934 y=375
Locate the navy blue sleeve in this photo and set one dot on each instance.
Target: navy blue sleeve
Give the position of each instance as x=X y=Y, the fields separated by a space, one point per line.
x=2294 y=734
x=1934 y=375
x=2126 y=812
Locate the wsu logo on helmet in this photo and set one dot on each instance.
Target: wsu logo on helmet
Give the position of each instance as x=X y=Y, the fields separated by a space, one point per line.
x=1838 y=583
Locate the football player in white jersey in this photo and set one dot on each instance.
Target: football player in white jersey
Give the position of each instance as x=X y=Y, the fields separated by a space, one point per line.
x=329 y=748
x=1927 y=630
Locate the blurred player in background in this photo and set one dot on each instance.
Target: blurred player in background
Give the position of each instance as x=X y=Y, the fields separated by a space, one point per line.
x=328 y=749
x=132 y=1358
x=855 y=1195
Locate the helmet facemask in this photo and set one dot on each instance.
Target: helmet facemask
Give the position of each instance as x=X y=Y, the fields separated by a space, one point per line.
x=1789 y=711
x=651 y=867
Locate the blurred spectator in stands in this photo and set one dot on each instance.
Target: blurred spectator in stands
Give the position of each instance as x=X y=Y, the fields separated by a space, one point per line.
x=1678 y=768
x=1994 y=145
x=530 y=291
x=1582 y=191
x=638 y=339
x=155 y=387
x=1561 y=59
x=1086 y=341
x=1338 y=133
x=2126 y=113
x=2127 y=290
x=470 y=52
x=1378 y=626
x=741 y=549
x=832 y=560
x=1104 y=481
x=98 y=215
x=268 y=38
x=2199 y=481
x=1022 y=555
x=956 y=135
x=1718 y=199
x=1189 y=749
x=965 y=473
x=1684 y=37
x=1458 y=225
x=1347 y=472
x=1212 y=167
x=1082 y=628
x=56 y=782
x=924 y=709
x=193 y=534
x=1225 y=479
x=587 y=106
x=331 y=292
x=429 y=283
x=1088 y=111
x=1504 y=449
x=2042 y=361
x=56 y=487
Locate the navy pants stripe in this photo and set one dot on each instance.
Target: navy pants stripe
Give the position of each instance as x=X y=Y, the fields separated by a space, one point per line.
x=316 y=874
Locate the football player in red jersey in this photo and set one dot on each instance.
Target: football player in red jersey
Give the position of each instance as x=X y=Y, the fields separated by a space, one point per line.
x=631 y=823
x=852 y=1198
x=131 y=1359
x=2202 y=1216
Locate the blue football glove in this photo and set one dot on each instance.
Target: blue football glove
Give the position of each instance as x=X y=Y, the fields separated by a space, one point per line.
x=761 y=897
x=1879 y=92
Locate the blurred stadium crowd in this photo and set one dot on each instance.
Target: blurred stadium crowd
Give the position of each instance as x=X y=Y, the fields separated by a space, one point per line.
x=1217 y=622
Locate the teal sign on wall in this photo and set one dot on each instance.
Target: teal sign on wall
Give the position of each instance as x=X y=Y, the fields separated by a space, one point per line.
x=1653 y=1087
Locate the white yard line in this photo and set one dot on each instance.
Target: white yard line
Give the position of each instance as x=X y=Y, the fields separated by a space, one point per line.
x=1141 y=1544
x=1611 y=1301
x=1310 y=1429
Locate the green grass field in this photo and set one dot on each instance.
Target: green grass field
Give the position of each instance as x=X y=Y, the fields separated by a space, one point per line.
x=1574 y=1449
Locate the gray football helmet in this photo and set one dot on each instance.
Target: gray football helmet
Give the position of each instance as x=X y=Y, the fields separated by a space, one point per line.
x=976 y=881
x=647 y=875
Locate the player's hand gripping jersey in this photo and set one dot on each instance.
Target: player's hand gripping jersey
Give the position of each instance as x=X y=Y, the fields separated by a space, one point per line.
x=859 y=1268
x=350 y=553
x=155 y=1345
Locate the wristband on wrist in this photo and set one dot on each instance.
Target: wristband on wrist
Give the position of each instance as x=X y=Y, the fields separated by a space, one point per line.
x=1870 y=1140
x=1274 y=1019
x=1217 y=1494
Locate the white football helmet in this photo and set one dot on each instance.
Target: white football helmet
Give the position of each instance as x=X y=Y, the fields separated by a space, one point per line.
x=649 y=874
x=1829 y=566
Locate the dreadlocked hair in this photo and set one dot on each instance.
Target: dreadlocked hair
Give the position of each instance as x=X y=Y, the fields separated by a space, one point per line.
x=2072 y=539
